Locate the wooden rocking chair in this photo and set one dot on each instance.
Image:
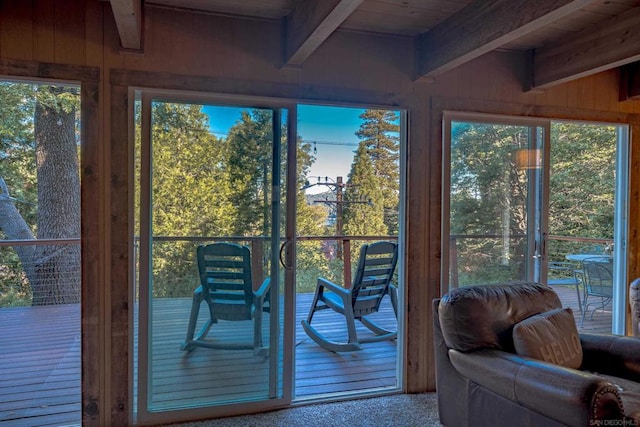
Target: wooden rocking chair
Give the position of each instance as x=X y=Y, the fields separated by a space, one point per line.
x=371 y=283
x=227 y=288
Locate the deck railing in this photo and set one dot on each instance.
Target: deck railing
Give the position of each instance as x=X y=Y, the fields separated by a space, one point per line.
x=39 y=272
x=335 y=248
x=476 y=256
x=15 y=288
x=16 y=280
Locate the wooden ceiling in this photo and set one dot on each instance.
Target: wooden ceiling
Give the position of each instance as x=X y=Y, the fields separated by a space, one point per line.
x=568 y=38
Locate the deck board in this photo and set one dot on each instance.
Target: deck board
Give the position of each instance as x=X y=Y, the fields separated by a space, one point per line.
x=40 y=360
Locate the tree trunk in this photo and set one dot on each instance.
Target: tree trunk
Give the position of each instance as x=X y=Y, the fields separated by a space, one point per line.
x=57 y=267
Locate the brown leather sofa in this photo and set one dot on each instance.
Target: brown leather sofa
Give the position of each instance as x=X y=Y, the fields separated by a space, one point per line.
x=481 y=381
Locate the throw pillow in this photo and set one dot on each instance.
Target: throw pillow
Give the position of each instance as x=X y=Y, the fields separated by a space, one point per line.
x=551 y=336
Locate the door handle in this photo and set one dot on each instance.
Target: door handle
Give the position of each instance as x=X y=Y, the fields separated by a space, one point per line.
x=284 y=246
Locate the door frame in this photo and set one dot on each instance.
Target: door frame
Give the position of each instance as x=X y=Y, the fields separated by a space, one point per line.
x=537 y=182
x=400 y=365
x=621 y=213
x=142 y=415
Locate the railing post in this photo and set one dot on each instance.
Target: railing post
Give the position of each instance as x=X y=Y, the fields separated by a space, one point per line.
x=257 y=264
x=346 y=244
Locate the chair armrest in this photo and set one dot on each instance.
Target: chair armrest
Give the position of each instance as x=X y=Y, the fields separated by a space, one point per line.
x=566 y=395
x=324 y=283
x=263 y=289
x=611 y=355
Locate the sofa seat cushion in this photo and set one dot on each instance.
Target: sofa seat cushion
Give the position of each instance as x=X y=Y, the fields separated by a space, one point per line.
x=551 y=336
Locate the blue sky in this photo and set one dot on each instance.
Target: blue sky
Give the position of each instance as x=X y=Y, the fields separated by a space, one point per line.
x=332 y=128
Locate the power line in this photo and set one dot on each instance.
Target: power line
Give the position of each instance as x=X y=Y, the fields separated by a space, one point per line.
x=308 y=141
x=346 y=144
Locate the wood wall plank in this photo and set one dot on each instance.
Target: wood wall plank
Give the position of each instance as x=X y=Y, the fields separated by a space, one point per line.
x=70 y=37
x=93 y=266
x=417 y=264
x=94 y=30
x=16 y=30
x=120 y=250
x=43 y=31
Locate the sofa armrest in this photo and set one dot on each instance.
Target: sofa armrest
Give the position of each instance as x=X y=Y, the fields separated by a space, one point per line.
x=611 y=355
x=565 y=395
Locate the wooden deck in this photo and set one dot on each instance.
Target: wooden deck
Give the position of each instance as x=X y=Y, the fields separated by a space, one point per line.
x=40 y=362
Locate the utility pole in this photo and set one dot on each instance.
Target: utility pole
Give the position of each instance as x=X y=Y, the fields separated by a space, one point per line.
x=339 y=204
x=338 y=187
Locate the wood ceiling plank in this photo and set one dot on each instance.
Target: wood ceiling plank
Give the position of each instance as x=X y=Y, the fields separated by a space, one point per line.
x=128 y=16
x=607 y=45
x=401 y=17
x=484 y=26
x=311 y=23
x=268 y=9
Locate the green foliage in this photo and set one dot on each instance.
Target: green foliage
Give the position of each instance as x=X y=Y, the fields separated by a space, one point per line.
x=17 y=147
x=488 y=194
x=14 y=286
x=190 y=193
x=364 y=198
x=58 y=98
x=249 y=153
x=582 y=180
x=205 y=186
x=372 y=195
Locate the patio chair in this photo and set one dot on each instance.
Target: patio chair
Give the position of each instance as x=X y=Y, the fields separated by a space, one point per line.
x=598 y=283
x=565 y=274
x=371 y=283
x=227 y=288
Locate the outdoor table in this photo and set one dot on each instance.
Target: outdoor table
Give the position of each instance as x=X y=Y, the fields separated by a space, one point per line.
x=582 y=257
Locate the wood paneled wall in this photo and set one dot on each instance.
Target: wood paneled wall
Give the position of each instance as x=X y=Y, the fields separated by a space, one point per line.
x=218 y=54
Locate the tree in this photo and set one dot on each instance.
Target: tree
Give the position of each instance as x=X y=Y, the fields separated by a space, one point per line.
x=52 y=271
x=380 y=134
x=364 y=197
x=249 y=154
x=488 y=197
x=582 y=180
x=190 y=193
x=372 y=191
x=488 y=193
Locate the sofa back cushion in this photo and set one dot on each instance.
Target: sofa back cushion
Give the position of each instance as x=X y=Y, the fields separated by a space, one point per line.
x=483 y=316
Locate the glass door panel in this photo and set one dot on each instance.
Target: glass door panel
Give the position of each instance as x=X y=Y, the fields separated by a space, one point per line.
x=350 y=189
x=209 y=175
x=494 y=201
x=587 y=216
x=531 y=199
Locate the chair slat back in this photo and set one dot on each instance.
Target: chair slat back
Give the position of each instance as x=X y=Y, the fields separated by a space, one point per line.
x=598 y=276
x=225 y=275
x=376 y=266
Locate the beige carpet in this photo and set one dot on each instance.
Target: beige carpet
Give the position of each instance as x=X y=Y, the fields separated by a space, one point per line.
x=400 y=410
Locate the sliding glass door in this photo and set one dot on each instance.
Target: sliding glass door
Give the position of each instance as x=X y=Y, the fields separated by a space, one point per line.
x=531 y=199
x=210 y=294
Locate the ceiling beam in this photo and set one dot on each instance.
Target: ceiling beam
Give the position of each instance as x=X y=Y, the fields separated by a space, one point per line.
x=128 y=16
x=311 y=23
x=483 y=26
x=630 y=82
x=611 y=44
